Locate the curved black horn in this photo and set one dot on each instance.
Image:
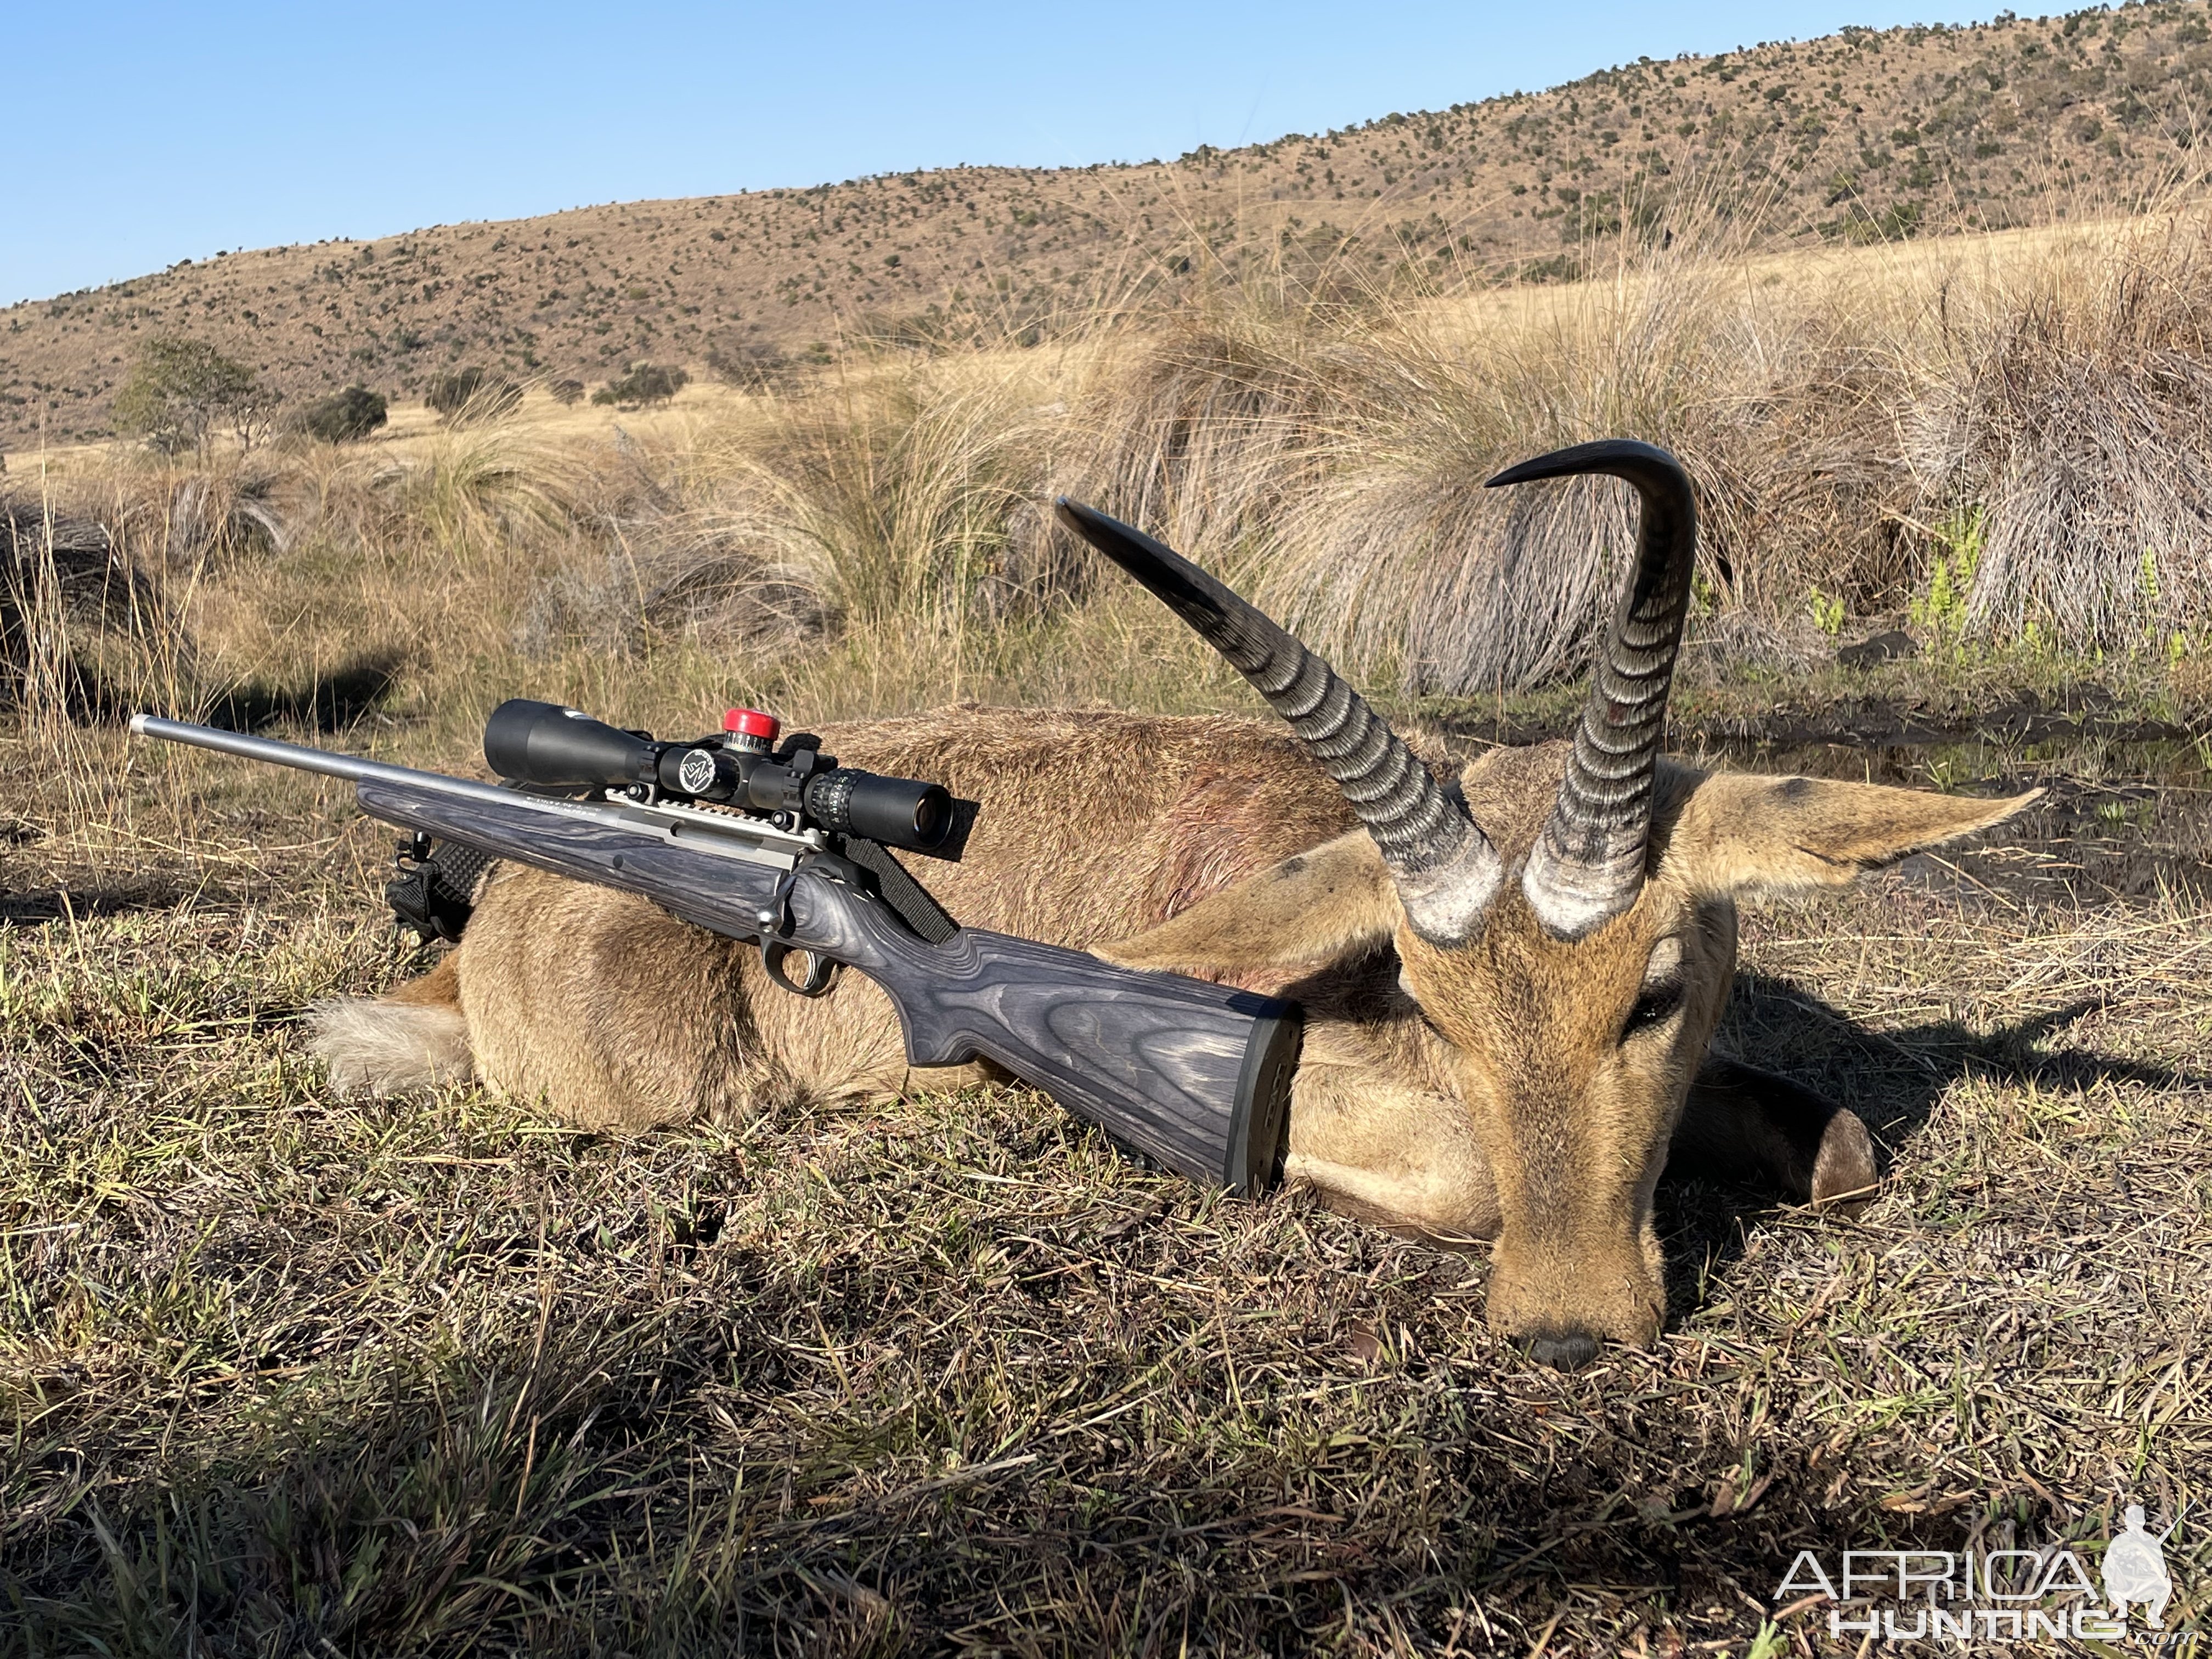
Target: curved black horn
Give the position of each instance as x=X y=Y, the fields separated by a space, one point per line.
x=1588 y=865
x=1447 y=872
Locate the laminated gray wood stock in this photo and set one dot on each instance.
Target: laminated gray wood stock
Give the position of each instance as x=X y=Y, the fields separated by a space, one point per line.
x=1194 y=1076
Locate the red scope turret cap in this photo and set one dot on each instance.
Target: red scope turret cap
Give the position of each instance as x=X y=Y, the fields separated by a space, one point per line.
x=751 y=723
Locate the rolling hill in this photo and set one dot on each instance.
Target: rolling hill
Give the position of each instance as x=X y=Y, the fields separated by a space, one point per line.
x=1860 y=135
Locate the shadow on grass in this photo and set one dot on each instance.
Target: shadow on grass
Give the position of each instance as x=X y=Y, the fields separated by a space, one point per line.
x=557 y=1507
x=1892 y=1079
x=563 y=1505
x=40 y=905
x=328 y=703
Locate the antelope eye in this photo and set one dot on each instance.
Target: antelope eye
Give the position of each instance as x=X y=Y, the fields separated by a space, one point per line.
x=1656 y=1004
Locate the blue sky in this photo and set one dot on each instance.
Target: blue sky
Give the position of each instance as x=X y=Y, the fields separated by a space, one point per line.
x=137 y=135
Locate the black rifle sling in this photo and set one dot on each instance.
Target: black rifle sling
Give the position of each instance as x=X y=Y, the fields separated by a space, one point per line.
x=907 y=898
x=435 y=891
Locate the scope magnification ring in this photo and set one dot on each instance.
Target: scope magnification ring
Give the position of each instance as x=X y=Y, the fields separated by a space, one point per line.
x=829 y=799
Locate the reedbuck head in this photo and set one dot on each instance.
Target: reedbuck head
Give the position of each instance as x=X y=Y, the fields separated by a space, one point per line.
x=1565 y=925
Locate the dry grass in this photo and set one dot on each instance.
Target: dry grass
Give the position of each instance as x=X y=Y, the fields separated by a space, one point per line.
x=285 y=1374
x=2037 y=408
x=2077 y=430
x=2007 y=439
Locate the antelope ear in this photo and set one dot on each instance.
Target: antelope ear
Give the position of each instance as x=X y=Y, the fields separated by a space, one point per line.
x=1735 y=832
x=1277 y=927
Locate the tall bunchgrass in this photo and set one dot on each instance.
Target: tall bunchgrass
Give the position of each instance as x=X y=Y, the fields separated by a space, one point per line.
x=1992 y=441
x=1837 y=417
x=2070 y=416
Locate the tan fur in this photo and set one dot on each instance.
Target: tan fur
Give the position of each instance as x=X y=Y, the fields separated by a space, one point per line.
x=1486 y=1092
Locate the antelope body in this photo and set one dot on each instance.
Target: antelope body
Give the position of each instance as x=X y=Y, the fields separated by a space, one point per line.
x=1509 y=971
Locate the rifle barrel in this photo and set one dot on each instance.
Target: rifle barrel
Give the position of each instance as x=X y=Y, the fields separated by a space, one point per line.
x=356 y=768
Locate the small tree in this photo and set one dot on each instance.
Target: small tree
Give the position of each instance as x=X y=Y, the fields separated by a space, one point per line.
x=646 y=383
x=344 y=416
x=253 y=418
x=179 y=389
x=478 y=392
x=567 y=393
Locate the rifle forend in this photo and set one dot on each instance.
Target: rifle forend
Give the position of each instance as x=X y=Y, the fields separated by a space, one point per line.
x=1193 y=1075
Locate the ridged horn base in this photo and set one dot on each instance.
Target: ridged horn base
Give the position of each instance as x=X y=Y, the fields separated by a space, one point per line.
x=1445 y=868
x=1588 y=864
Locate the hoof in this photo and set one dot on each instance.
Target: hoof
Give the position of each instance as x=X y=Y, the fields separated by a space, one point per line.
x=1569 y=1352
x=1844 y=1174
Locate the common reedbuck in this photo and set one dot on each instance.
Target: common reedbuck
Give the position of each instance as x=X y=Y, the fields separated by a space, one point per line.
x=1509 y=974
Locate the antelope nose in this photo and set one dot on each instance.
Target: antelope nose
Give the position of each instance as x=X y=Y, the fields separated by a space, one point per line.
x=1569 y=1352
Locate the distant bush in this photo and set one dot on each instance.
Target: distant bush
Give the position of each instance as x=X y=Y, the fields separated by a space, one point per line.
x=344 y=417
x=478 y=392
x=567 y=393
x=646 y=383
x=752 y=365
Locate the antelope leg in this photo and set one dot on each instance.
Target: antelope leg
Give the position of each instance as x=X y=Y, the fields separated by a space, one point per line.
x=1744 y=1124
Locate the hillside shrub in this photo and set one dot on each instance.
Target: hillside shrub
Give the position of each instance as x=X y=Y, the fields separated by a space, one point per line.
x=344 y=417
x=751 y=365
x=646 y=383
x=566 y=393
x=473 y=393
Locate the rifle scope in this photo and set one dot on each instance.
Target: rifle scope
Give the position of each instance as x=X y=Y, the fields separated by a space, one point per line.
x=542 y=743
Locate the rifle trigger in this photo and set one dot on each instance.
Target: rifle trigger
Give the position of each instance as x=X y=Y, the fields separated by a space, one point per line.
x=821 y=971
x=775 y=920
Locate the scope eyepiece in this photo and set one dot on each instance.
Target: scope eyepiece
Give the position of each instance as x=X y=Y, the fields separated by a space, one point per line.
x=897 y=811
x=544 y=743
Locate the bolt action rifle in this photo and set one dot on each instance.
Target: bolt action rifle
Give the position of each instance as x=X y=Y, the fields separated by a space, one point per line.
x=783 y=847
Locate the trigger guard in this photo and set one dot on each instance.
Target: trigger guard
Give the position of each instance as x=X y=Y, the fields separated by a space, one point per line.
x=821 y=973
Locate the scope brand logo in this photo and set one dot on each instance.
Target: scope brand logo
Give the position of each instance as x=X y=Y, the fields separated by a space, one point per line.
x=1991 y=1595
